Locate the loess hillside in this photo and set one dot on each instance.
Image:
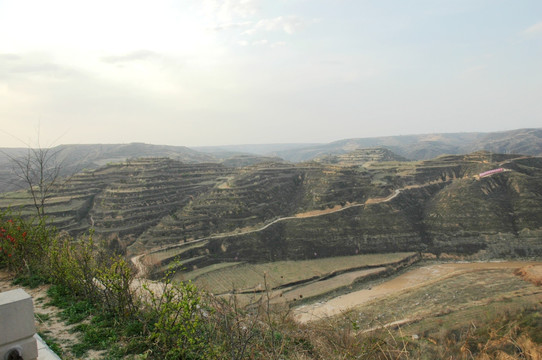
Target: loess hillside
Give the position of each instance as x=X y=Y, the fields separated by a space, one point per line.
x=202 y=214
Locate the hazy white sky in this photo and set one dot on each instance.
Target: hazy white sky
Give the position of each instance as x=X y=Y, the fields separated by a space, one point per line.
x=211 y=72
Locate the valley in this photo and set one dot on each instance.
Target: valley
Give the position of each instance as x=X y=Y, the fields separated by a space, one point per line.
x=363 y=242
x=271 y=180
x=200 y=220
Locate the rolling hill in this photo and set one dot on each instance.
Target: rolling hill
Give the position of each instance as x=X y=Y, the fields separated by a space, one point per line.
x=75 y=158
x=427 y=146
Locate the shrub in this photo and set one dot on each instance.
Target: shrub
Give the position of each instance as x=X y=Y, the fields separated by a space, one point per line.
x=91 y=273
x=178 y=328
x=23 y=243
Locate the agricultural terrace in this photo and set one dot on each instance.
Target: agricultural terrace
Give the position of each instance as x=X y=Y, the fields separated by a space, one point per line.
x=225 y=277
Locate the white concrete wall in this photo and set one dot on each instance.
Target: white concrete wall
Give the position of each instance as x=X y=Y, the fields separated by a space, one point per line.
x=17 y=327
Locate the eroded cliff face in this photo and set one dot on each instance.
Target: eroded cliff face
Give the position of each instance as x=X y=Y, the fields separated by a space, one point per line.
x=500 y=213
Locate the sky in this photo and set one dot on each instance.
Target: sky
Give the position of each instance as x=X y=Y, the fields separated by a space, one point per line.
x=222 y=72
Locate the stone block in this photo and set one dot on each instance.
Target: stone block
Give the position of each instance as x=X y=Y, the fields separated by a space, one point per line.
x=17 y=326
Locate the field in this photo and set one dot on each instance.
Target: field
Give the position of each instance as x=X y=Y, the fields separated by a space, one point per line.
x=246 y=277
x=468 y=290
x=158 y=256
x=322 y=287
x=490 y=311
x=427 y=289
x=447 y=293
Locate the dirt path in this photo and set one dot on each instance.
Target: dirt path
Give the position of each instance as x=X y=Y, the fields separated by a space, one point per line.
x=46 y=316
x=136 y=260
x=411 y=279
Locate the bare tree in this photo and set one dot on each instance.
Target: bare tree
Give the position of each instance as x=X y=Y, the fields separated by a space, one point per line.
x=40 y=170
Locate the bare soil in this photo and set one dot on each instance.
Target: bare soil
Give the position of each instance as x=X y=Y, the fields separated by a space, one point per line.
x=323 y=212
x=47 y=321
x=409 y=280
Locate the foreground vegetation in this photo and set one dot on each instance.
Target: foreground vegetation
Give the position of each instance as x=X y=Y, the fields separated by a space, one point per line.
x=117 y=315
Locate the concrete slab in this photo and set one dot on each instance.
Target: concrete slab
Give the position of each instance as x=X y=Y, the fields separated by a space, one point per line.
x=44 y=351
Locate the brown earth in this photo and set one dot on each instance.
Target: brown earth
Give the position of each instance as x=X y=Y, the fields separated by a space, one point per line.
x=48 y=323
x=409 y=280
x=323 y=212
x=531 y=273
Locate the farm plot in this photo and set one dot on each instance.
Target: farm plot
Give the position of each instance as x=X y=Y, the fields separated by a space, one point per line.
x=423 y=292
x=159 y=256
x=245 y=277
x=321 y=287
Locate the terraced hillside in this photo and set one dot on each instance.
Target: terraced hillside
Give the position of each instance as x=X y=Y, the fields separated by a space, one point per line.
x=254 y=196
x=75 y=158
x=204 y=214
x=434 y=206
x=120 y=201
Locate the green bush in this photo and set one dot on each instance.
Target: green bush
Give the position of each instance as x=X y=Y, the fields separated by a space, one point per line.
x=178 y=328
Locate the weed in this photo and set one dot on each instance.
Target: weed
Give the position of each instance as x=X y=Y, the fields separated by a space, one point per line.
x=74 y=310
x=32 y=281
x=42 y=317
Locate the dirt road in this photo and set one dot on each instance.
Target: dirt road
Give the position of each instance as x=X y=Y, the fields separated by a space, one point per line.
x=316 y=213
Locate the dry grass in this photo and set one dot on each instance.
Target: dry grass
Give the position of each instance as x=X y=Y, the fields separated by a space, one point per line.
x=531 y=273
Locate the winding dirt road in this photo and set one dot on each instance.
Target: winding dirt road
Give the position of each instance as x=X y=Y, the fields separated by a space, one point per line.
x=137 y=259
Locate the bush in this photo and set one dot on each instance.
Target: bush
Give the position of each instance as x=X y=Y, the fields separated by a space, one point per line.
x=23 y=243
x=178 y=328
x=91 y=273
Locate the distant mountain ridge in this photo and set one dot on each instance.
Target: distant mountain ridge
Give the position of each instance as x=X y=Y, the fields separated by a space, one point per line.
x=428 y=146
x=413 y=147
x=77 y=157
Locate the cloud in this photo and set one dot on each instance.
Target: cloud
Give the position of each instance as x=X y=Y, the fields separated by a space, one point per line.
x=139 y=55
x=14 y=66
x=226 y=10
x=260 y=42
x=278 y=44
x=232 y=26
x=535 y=29
x=288 y=24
